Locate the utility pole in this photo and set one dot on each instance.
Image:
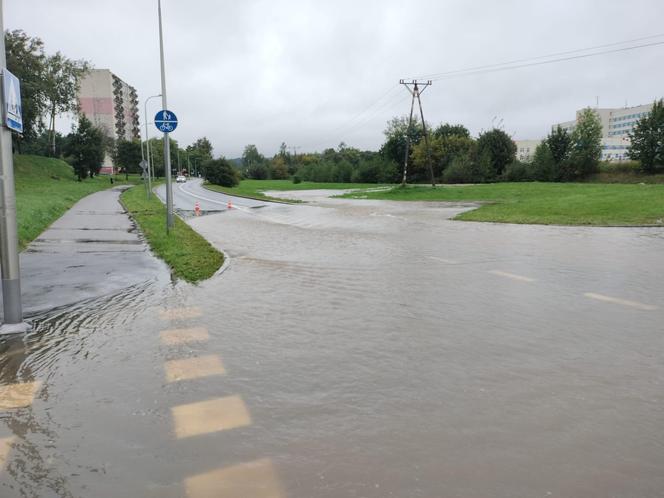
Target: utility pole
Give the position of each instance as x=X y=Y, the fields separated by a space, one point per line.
x=167 y=143
x=418 y=88
x=147 y=141
x=9 y=262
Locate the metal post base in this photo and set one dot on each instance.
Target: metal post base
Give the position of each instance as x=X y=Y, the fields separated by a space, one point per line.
x=15 y=328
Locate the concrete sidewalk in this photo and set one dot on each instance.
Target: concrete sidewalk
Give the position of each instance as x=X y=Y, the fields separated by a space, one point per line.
x=94 y=249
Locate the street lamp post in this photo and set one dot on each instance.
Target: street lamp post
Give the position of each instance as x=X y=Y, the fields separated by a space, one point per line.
x=147 y=138
x=167 y=144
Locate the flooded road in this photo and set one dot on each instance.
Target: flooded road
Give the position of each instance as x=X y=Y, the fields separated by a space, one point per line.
x=355 y=349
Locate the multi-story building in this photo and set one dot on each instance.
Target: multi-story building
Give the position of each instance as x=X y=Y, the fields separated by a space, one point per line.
x=616 y=126
x=525 y=149
x=112 y=105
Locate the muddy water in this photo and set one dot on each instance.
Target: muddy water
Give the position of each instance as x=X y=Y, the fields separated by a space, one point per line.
x=376 y=350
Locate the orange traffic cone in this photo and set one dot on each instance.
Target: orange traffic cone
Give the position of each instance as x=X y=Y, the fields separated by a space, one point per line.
x=230 y=206
x=197 y=209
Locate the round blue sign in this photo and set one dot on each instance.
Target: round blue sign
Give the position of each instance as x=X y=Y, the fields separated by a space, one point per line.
x=166 y=121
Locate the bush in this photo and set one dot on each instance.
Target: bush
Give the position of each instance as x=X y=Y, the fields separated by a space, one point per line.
x=297 y=179
x=544 y=167
x=221 y=172
x=467 y=169
x=518 y=172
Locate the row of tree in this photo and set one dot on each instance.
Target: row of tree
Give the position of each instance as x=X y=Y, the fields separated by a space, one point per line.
x=49 y=86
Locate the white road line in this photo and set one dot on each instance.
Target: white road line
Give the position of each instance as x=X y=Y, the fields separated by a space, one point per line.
x=443 y=260
x=513 y=276
x=623 y=302
x=180 y=187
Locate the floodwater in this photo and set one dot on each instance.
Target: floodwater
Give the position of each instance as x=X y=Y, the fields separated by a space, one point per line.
x=355 y=349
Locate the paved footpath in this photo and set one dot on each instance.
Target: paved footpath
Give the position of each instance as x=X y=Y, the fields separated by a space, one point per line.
x=94 y=249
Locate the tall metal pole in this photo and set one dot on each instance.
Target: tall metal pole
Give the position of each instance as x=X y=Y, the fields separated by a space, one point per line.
x=145 y=179
x=167 y=144
x=9 y=262
x=147 y=140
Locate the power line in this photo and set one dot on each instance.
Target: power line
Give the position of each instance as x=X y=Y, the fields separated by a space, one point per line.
x=528 y=59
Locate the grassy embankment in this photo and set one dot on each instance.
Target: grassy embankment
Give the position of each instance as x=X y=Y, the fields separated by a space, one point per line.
x=255 y=188
x=45 y=189
x=544 y=203
x=191 y=257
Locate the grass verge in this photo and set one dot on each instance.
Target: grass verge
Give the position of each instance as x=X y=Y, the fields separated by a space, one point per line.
x=191 y=257
x=255 y=188
x=544 y=203
x=45 y=189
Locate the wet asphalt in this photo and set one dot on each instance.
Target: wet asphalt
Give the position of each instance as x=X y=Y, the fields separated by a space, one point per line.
x=91 y=251
x=354 y=349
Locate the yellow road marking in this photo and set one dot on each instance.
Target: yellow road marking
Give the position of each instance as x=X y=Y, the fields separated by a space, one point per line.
x=180 y=313
x=5 y=447
x=193 y=368
x=183 y=336
x=209 y=416
x=18 y=395
x=623 y=302
x=513 y=276
x=254 y=479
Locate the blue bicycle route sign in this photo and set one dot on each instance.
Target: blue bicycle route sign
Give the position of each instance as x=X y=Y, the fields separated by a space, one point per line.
x=166 y=121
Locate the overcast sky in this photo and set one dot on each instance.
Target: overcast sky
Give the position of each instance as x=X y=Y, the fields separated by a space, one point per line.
x=315 y=73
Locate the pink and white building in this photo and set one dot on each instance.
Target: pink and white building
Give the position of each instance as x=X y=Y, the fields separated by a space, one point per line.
x=112 y=105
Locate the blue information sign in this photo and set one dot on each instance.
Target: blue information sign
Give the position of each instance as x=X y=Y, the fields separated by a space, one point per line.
x=166 y=121
x=11 y=97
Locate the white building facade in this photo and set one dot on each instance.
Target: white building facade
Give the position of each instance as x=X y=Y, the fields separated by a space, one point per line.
x=616 y=126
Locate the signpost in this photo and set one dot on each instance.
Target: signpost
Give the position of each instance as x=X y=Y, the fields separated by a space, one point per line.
x=11 y=92
x=9 y=263
x=166 y=121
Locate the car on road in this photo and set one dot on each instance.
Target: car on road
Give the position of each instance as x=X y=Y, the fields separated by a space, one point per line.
x=181 y=179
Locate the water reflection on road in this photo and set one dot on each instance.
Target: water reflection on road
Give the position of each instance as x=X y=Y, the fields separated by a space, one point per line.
x=360 y=349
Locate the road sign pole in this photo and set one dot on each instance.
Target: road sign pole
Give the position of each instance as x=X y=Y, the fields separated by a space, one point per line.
x=9 y=262
x=167 y=145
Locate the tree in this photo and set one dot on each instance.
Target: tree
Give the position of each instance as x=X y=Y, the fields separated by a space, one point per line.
x=559 y=143
x=85 y=148
x=444 y=148
x=278 y=168
x=26 y=60
x=499 y=148
x=157 y=154
x=648 y=139
x=221 y=172
x=397 y=134
x=62 y=79
x=586 y=145
x=254 y=163
x=544 y=167
x=127 y=155
x=449 y=130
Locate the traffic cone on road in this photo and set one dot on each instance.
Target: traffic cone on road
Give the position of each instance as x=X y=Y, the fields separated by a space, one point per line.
x=197 y=209
x=230 y=206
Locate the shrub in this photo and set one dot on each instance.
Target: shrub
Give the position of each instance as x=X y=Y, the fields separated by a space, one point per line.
x=544 y=167
x=467 y=169
x=221 y=172
x=297 y=179
x=518 y=172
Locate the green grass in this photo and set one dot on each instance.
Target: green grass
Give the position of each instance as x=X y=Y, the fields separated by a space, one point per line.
x=255 y=188
x=45 y=189
x=545 y=203
x=191 y=257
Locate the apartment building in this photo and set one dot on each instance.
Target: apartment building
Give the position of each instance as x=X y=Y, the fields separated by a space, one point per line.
x=112 y=105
